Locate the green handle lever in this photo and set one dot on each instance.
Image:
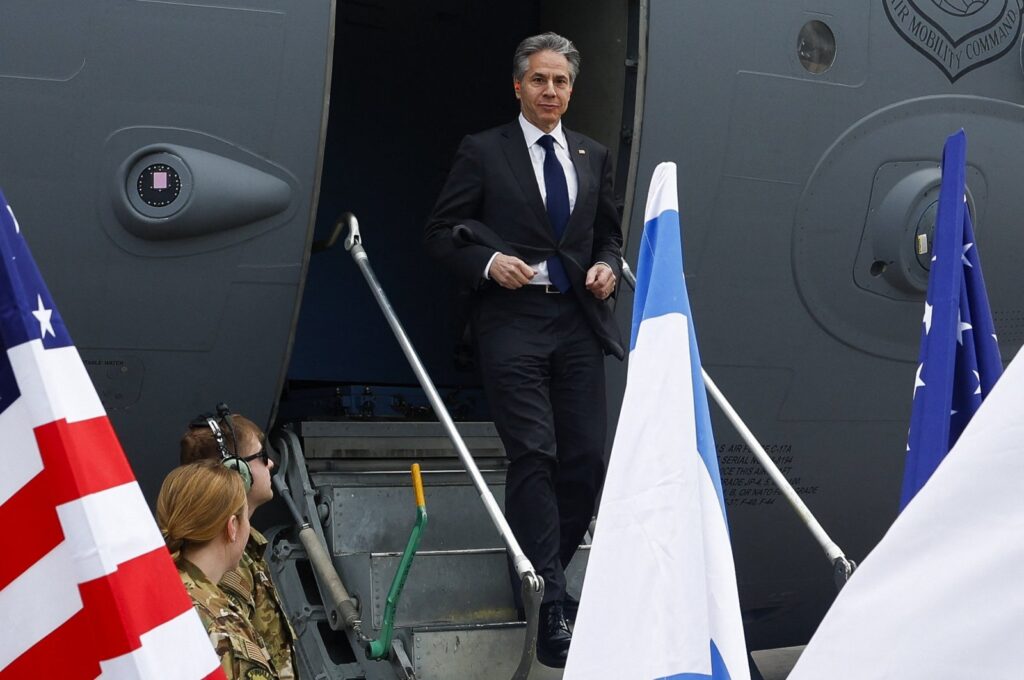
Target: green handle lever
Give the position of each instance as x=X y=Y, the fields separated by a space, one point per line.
x=379 y=648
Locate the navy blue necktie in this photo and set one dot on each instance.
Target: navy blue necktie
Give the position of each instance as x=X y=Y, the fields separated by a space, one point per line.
x=558 y=208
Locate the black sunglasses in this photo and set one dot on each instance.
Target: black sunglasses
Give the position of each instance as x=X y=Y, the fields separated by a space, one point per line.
x=262 y=454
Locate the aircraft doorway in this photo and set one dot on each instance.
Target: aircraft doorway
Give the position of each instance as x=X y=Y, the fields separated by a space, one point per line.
x=409 y=80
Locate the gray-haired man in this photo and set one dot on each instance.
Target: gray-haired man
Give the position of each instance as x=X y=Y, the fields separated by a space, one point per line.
x=541 y=262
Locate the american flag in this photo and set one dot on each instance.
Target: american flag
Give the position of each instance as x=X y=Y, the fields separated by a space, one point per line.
x=959 y=360
x=87 y=588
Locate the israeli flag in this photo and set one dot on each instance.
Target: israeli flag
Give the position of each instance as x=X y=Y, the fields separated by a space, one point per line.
x=659 y=600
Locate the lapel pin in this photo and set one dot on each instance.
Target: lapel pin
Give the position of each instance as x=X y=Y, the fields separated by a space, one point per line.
x=582 y=152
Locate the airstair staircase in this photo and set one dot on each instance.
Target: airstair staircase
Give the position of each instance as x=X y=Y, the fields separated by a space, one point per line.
x=455 y=619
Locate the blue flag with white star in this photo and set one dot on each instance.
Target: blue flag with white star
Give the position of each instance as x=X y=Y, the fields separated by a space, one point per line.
x=959 y=360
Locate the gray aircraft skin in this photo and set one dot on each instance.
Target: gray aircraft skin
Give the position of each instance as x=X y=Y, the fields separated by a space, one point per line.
x=172 y=164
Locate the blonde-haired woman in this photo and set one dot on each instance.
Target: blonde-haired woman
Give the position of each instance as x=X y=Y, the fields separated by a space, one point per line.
x=204 y=519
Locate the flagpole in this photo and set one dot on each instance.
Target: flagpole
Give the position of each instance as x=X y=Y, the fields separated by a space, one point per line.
x=842 y=567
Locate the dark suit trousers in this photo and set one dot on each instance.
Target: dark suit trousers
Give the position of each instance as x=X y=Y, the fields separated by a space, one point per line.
x=543 y=373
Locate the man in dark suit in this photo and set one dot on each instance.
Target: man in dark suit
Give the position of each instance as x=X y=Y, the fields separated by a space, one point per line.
x=527 y=223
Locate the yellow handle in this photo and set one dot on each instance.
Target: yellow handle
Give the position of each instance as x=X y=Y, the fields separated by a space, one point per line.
x=417 y=484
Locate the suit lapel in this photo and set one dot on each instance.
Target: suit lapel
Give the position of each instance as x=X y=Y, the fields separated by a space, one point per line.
x=584 y=180
x=518 y=158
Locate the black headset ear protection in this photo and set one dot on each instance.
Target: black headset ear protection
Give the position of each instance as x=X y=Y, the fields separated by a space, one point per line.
x=228 y=459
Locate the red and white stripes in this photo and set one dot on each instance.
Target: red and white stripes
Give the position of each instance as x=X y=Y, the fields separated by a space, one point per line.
x=87 y=588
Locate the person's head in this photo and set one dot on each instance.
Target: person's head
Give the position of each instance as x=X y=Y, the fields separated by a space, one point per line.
x=544 y=69
x=202 y=506
x=241 y=438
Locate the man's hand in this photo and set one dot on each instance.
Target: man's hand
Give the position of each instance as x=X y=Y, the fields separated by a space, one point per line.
x=510 y=272
x=600 y=281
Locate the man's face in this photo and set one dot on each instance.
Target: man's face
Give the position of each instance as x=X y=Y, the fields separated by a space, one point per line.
x=545 y=89
x=261 y=490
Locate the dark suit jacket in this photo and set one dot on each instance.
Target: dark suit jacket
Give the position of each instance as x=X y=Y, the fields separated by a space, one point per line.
x=493 y=190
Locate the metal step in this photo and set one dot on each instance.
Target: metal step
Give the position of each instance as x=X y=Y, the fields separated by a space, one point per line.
x=473 y=653
x=455 y=588
x=345 y=439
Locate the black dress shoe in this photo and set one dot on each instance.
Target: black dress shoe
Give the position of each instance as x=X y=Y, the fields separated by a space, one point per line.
x=553 y=636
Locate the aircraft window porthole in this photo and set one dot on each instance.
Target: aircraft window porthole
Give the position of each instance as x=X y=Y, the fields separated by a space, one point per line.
x=816 y=47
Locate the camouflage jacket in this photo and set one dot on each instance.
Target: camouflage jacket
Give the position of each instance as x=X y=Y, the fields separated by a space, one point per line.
x=249 y=586
x=243 y=656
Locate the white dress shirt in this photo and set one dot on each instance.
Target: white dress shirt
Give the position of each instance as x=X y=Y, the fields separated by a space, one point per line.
x=537 y=153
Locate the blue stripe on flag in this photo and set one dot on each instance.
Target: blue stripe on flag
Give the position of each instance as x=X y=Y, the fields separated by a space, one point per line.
x=660 y=254
x=718 y=669
x=663 y=291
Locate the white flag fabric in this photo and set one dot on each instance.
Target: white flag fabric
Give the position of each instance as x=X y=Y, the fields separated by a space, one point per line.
x=87 y=587
x=942 y=595
x=661 y=562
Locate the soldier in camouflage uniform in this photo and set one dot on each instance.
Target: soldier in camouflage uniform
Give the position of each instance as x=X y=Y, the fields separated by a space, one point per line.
x=204 y=517
x=249 y=586
x=243 y=655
